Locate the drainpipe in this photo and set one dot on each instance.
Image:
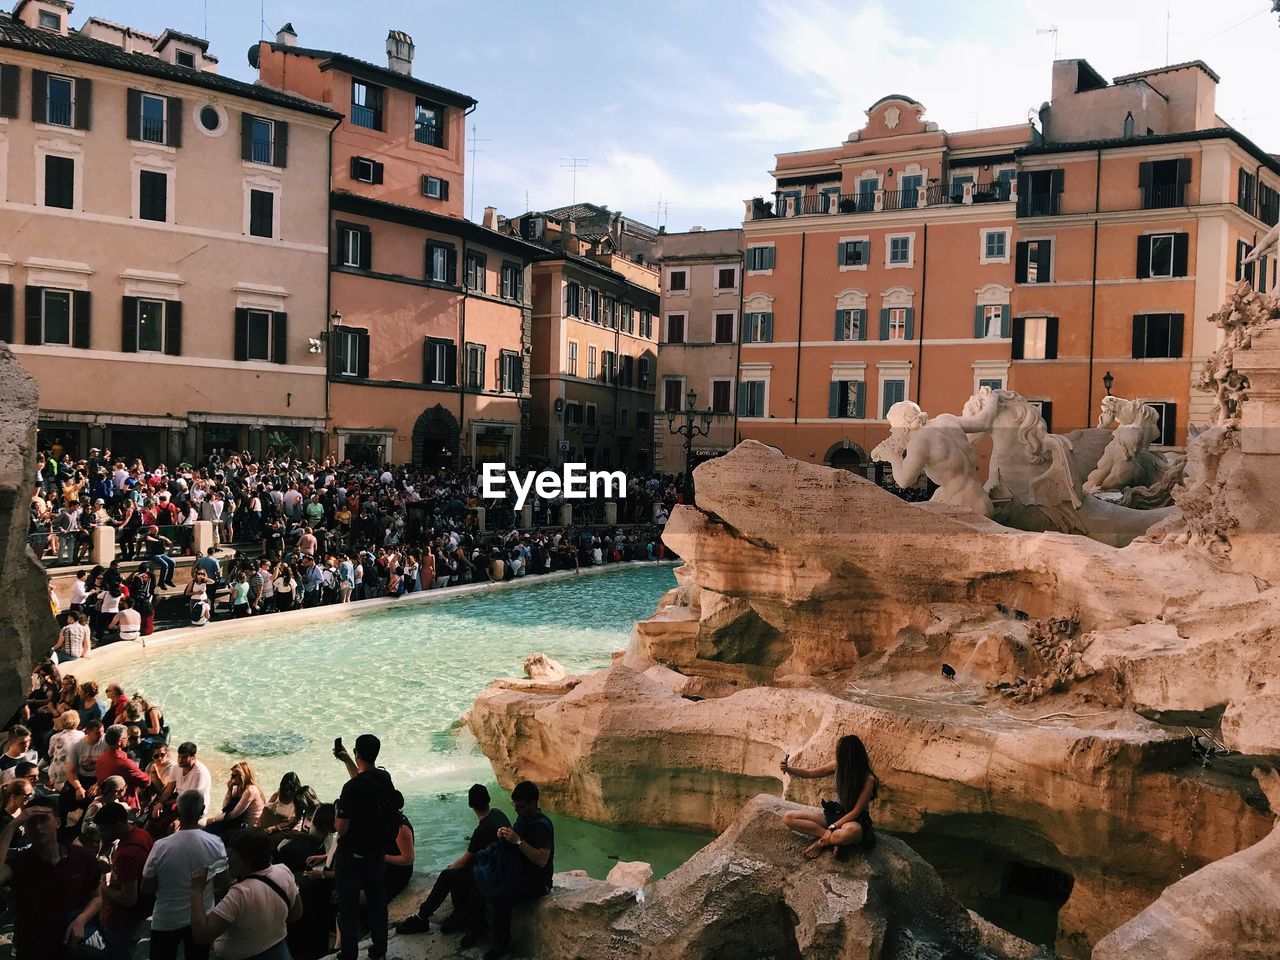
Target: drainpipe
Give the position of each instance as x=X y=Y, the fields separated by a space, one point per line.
x=328 y=287
x=924 y=280
x=461 y=371
x=737 y=378
x=799 y=333
x=1093 y=289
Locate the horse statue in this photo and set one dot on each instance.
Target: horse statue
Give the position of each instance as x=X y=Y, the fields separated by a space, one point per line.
x=1036 y=478
x=1127 y=460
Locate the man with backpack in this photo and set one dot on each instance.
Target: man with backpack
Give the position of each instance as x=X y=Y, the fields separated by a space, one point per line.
x=366 y=824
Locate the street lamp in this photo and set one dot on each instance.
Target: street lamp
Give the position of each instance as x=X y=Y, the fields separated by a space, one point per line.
x=1107 y=381
x=695 y=425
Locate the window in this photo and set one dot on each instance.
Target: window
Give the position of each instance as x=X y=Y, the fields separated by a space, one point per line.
x=258 y=338
x=591 y=415
x=1035 y=338
x=895 y=391
x=678 y=281
x=644 y=421
x=897 y=323
x=573 y=300
x=1034 y=261
x=366 y=105
x=724 y=328
x=573 y=413
x=757 y=328
x=675 y=328
x=958 y=184
x=851 y=325
x=351 y=353
x=352 y=247
x=1039 y=192
x=511 y=368
x=1268 y=204
x=991 y=383
x=573 y=358
x=59 y=182
x=55 y=317
x=49 y=20
x=428 y=124
x=366 y=170
x=591 y=362
x=476 y=270
x=262 y=213
x=853 y=253
x=261 y=145
x=210 y=119
x=751 y=398
x=153 y=195
x=847 y=399
x=867 y=189
x=184 y=58
x=440 y=263
x=626 y=318
x=435 y=188
x=1166 y=421
x=59 y=101
x=625 y=365
x=512 y=281
x=646 y=324
x=726 y=278
x=1046 y=412
x=1162 y=255
x=151 y=326
x=475 y=366
x=1157 y=335
x=1245 y=190
x=1163 y=182
x=644 y=373
x=991 y=320
x=607 y=367
x=899 y=251
x=721 y=396
x=995 y=245
x=760 y=258
x=909 y=191
x=151 y=129
x=673 y=394
x=593 y=306
x=610 y=314
x=440 y=362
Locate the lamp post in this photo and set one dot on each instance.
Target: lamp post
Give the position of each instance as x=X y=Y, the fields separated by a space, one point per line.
x=1107 y=381
x=695 y=425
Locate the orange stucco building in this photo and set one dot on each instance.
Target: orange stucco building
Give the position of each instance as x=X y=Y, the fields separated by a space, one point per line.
x=913 y=263
x=429 y=334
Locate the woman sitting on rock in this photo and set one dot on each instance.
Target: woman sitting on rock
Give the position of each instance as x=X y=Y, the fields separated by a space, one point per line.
x=846 y=821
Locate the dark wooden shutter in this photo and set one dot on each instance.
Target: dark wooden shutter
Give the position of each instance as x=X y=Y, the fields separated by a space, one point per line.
x=39 y=96
x=129 y=325
x=84 y=103
x=246 y=136
x=1175 y=334
x=1055 y=190
x=342 y=341
x=173 y=122
x=911 y=323
x=366 y=250
x=747 y=323
x=10 y=79
x=451 y=364
x=242 y=334
x=377 y=173
x=768 y=328
x=428 y=362
x=859 y=399
x=1024 y=193
x=1139 y=337
x=6 y=311
x=1180 y=251
x=1143 y=269
x=1184 y=171
x=32 y=297
x=1169 y=425
x=81 y=313
x=444 y=189
x=1046 y=414
x=770 y=256
x=742 y=398
x=1144 y=175
x=517 y=383
x=833 y=399
x=133 y=114
x=282 y=144
x=884 y=323
x=979 y=321
x=1019 y=338
x=1004 y=321
x=1051 y=338
x=1044 y=260
x=841 y=317
x=173 y=328
x=841 y=251
x=451 y=273
x=280 y=337
x=1020 y=260
x=362 y=361
x=355 y=167
x=1241 y=194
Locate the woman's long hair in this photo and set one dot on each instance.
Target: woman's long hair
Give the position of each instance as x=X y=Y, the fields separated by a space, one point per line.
x=247 y=779
x=290 y=784
x=853 y=766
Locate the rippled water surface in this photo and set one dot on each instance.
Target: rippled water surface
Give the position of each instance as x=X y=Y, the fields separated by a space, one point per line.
x=279 y=698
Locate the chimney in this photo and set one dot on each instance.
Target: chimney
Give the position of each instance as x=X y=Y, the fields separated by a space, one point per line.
x=399 y=52
x=286 y=36
x=490 y=221
x=569 y=236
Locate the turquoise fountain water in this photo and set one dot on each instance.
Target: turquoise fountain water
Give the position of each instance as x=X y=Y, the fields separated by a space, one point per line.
x=278 y=698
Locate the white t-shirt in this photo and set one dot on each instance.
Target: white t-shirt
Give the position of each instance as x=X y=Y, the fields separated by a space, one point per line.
x=60 y=745
x=79 y=590
x=257 y=914
x=195 y=778
x=130 y=624
x=171 y=862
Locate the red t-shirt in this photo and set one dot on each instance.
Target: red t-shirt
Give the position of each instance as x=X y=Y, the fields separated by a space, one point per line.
x=47 y=897
x=114 y=763
x=126 y=867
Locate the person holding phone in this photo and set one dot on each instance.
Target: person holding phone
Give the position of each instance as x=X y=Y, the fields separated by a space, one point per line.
x=366 y=822
x=846 y=821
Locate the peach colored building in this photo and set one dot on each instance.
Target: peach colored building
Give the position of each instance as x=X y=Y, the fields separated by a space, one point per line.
x=594 y=349
x=162 y=256
x=912 y=263
x=429 y=336
x=698 y=347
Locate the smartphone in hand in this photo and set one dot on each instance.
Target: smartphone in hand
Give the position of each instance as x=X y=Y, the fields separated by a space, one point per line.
x=338 y=748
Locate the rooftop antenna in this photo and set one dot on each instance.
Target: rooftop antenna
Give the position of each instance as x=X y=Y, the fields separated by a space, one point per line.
x=663 y=213
x=1053 y=29
x=1168 y=27
x=474 y=151
x=575 y=164
x=262 y=21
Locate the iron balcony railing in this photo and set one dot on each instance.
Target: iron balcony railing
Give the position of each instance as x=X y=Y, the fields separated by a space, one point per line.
x=153 y=129
x=261 y=151
x=1162 y=195
x=363 y=116
x=936 y=194
x=428 y=133
x=58 y=112
x=1038 y=205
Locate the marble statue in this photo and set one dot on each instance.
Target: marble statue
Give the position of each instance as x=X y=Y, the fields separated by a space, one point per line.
x=1127 y=460
x=942 y=449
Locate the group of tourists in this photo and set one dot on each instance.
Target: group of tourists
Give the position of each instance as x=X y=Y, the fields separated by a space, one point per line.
x=108 y=835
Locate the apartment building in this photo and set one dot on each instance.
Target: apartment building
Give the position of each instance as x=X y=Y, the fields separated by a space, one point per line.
x=429 y=327
x=698 y=345
x=594 y=354
x=913 y=263
x=162 y=259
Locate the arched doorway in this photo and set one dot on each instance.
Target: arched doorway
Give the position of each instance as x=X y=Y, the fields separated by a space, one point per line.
x=847 y=455
x=435 y=438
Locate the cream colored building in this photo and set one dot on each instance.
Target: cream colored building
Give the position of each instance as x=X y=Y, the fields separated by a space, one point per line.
x=163 y=242
x=698 y=341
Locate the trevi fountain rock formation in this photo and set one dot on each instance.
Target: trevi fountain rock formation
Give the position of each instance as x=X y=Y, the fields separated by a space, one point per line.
x=1048 y=681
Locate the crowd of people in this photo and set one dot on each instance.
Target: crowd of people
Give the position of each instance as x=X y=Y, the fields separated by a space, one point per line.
x=109 y=835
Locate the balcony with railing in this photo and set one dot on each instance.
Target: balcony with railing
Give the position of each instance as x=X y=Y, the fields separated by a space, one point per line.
x=1039 y=205
x=880 y=201
x=260 y=151
x=153 y=129
x=428 y=133
x=58 y=112
x=1160 y=196
x=363 y=116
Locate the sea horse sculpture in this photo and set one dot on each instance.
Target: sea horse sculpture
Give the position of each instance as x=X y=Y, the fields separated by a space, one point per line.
x=1127 y=460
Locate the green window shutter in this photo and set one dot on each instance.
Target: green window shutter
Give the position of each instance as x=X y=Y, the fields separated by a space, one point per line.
x=246 y=136
x=860 y=318
x=860 y=399
x=769 y=257
x=747 y=320
x=842 y=317
x=884 y=323
x=833 y=400
x=840 y=253
x=911 y=323
x=979 y=321
x=129 y=325
x=742 y=398
x=768 y=328
x=1004 y=321
x=362 y=370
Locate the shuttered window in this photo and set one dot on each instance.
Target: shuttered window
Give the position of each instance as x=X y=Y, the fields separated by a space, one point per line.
x=1157 y=335
x=153 y=195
